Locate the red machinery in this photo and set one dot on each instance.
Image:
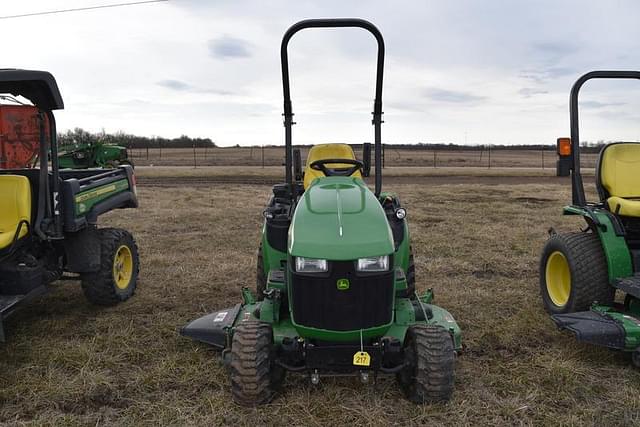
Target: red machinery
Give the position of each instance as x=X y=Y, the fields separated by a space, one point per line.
x=20 y=135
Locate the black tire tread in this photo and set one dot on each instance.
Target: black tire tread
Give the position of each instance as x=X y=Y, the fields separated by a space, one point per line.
x=261 y=279
x=254 y=378
x=432 y=380
x=411 y=276
x=589 y=273
x=98 y=287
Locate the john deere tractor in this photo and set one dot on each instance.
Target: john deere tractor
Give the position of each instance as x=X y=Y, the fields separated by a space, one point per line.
x=48 y=217
x=581 y=271
x=336 y=285
x=93 y=155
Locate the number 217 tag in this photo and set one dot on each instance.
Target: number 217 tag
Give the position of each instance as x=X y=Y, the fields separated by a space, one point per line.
x=361 y=358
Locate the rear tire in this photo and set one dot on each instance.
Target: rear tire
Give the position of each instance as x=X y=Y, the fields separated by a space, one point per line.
x=117 y=278
x=573 y=273
x=254 y=375
x=410 y=276
x=261 y=279
x=430 y=361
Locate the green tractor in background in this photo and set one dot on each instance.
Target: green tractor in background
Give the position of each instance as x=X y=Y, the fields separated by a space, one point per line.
x=93 y=155
x=581 y=271
x=336 y=291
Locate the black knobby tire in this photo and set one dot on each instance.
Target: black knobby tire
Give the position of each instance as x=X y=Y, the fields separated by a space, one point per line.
x=103 y=287
x=255 y=377
x=589 y=278
x=411 y=276
x=261 y=278
x=428 y=375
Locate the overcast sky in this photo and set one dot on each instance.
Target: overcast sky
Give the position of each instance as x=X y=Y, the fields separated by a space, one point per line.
x=461 y=71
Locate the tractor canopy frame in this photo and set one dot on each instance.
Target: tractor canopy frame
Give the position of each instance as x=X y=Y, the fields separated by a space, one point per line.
x=577 y=186
x=377 y=105
x=41 y=89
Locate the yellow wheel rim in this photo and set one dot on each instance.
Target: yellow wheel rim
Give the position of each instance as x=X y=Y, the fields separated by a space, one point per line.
x=123 y=267
x=558 y=278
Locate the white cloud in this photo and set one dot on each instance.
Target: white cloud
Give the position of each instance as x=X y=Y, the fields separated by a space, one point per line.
x=498 y=71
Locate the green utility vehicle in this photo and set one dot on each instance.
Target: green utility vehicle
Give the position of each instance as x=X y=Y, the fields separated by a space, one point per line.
x=48 y=216
x=581 y=271
x=93 y=155
x=336 y=285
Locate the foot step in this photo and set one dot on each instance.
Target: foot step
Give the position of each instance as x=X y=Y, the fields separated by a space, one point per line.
x=630 y=285
x=8 y=301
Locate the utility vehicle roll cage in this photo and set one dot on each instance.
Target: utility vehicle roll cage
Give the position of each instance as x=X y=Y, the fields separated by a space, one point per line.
x=577 y=186
x=377 y=104
x=41 y=89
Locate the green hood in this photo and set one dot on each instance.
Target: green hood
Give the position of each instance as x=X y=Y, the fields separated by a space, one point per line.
x=340 y=219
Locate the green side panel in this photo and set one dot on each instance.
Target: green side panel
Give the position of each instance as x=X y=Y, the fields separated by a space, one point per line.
x=283 y=329
x=85 y=200
x=443 y=318
x=615 y=247
x=630 y=323
x=340 y=219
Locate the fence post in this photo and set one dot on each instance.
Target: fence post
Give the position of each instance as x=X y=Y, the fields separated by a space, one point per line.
x=543 y=157
x=262 y=156
x=195 y=165
x=489 y=156
x=434 y=158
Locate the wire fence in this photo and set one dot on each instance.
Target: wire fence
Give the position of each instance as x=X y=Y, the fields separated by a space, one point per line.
x=263 y=156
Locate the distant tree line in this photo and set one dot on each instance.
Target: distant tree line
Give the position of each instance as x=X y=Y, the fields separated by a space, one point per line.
x=81 y=136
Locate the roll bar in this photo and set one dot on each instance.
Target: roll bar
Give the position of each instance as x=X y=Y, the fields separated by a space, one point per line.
x=577 y=186
x=377 y=104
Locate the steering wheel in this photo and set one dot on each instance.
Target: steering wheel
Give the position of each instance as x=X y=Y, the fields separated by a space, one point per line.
x=321 y=165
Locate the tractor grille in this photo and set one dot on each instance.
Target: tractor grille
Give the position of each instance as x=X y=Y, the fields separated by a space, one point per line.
x=317 y=302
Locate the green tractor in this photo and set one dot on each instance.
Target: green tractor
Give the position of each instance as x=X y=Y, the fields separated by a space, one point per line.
x=581 y=271
x=336 y=287
x=93 y=155
x=48 y=216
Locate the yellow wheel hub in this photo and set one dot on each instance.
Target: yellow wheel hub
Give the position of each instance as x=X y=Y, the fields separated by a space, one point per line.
x=558 y=278
x=123 y=267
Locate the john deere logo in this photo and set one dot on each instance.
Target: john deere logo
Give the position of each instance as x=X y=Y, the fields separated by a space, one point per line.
x=342 y=284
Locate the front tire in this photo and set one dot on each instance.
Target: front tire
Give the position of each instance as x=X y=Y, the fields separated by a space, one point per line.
x=117 y=278
x=430 y=360
x=254 y=375
x=573 y=273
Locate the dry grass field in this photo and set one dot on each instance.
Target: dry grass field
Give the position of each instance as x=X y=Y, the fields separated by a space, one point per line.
x=476 y=243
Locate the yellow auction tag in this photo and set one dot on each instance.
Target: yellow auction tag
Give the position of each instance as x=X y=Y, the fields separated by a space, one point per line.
x=361 y=358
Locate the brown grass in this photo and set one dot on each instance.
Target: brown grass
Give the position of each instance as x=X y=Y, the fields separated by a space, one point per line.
x=70 y=363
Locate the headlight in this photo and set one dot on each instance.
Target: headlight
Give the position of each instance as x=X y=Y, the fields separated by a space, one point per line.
x=310 y=265
x=377 y=263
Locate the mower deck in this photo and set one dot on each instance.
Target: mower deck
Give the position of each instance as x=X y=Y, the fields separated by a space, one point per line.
x=593 y=327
